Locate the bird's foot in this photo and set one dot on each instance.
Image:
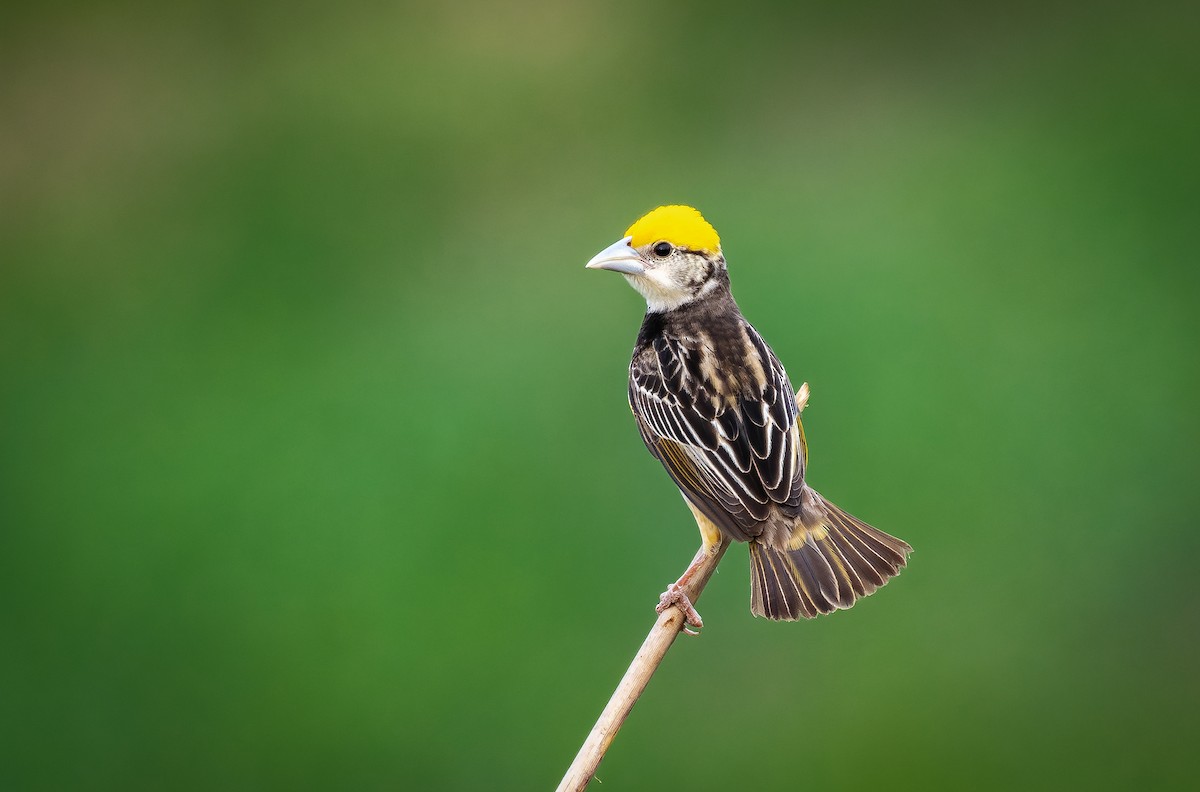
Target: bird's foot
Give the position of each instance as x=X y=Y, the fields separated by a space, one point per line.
x=674 y=596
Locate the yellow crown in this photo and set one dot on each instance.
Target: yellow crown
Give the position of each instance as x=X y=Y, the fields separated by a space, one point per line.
x=682 y=226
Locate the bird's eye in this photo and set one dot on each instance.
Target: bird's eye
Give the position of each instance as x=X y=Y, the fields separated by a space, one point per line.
x=662 y=249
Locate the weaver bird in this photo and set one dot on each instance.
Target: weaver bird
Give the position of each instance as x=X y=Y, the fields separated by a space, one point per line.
x=716 y=408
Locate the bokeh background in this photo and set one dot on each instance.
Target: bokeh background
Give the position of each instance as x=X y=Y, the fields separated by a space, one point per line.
x=316 y=470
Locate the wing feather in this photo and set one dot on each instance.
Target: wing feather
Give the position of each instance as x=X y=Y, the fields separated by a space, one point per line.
x=736 y=458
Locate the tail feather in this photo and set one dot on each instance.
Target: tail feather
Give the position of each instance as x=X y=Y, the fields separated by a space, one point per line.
x=858 y=560
x=814 y=566
x=777 y=588
x=840 y=561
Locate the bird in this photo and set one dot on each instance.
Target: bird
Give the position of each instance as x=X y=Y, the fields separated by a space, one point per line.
x=715 y=406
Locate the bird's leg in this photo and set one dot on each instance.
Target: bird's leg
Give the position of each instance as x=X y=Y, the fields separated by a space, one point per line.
x=710 y=542
x=674 y=594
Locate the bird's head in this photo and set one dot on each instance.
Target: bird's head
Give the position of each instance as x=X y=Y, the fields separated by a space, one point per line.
x=672 y=256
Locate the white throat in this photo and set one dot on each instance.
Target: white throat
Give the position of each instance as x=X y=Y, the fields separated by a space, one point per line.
x=660 y=298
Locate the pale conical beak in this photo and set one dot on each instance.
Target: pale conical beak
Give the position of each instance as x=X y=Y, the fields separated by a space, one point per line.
x=618 y=257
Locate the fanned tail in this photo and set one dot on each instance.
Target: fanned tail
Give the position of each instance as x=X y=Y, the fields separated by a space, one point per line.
x=824 y=568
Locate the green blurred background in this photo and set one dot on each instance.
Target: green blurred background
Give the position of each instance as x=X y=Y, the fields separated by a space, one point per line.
x=316 y=470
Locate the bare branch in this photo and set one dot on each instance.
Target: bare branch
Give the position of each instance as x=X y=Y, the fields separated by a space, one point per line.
x=644 y=664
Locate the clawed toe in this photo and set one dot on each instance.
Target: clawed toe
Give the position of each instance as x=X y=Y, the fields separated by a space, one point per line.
x=674 y=596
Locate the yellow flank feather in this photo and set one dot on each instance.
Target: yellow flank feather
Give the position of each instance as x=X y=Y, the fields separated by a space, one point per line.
x=682 y=226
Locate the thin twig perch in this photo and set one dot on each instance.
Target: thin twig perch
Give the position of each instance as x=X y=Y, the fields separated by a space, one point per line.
x=668 y=626
x=644 y=664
